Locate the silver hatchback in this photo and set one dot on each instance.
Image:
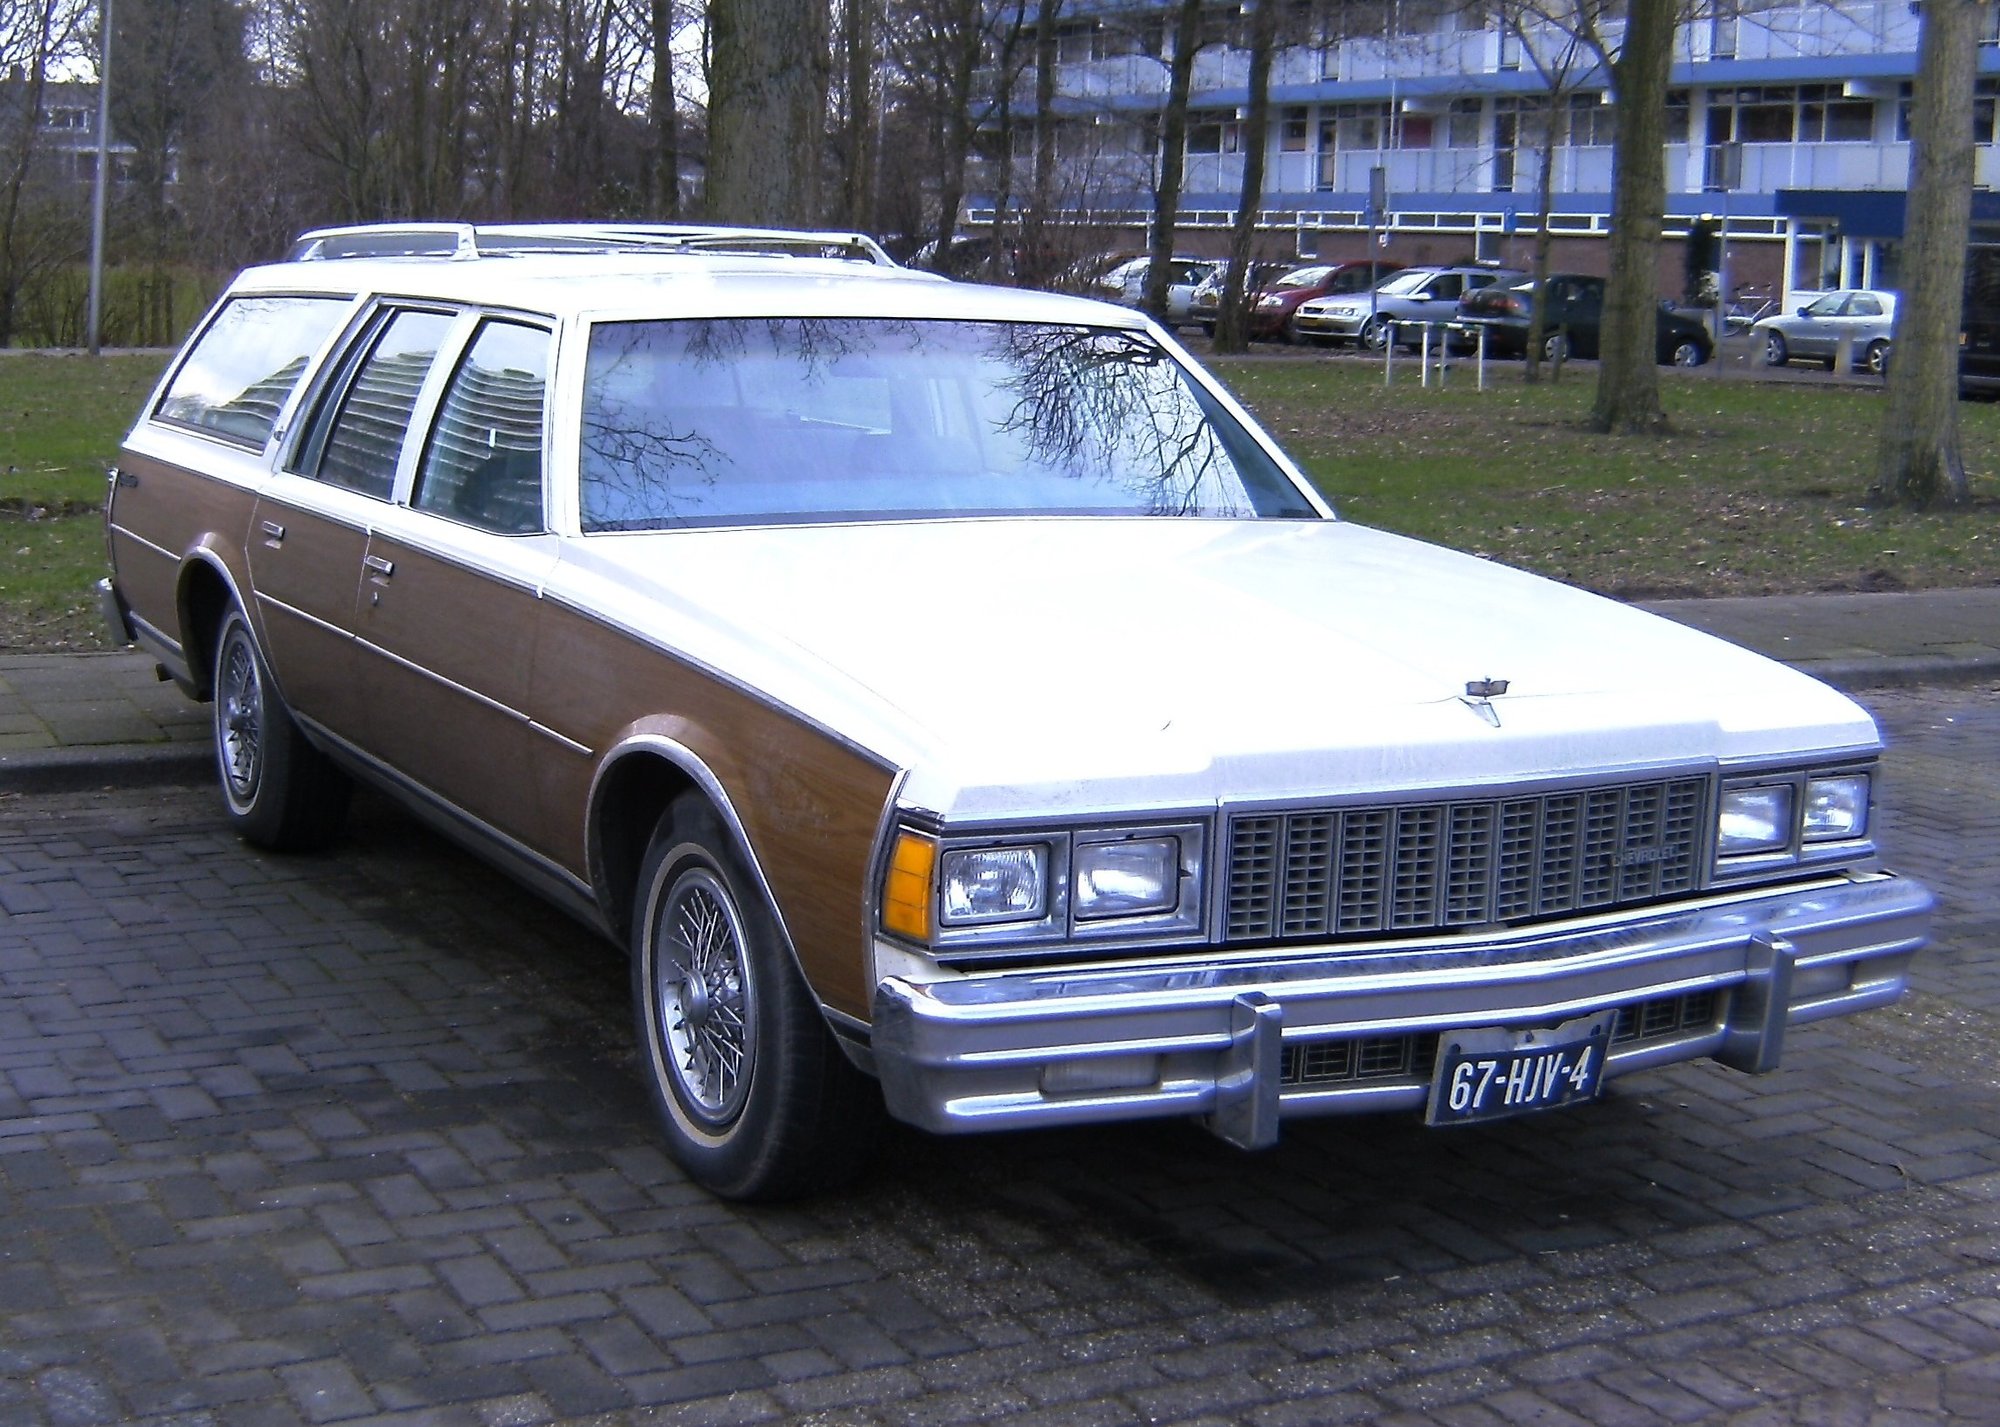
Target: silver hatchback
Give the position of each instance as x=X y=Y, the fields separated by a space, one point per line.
x=1859 y=321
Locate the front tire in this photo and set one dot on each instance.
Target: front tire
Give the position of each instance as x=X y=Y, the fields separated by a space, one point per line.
x=1373 y=336
x=278 y=791
x=1688 y=353
x=757 y=1101
x=1776 y=353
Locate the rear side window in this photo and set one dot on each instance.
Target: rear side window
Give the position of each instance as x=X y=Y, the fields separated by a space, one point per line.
x=484 y=464
x=245 y=365
x=366 y=436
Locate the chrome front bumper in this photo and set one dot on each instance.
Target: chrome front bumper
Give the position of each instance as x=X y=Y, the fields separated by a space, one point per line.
x=1208 y=1035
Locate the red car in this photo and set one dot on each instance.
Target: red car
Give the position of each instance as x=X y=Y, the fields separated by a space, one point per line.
x=1271 y=308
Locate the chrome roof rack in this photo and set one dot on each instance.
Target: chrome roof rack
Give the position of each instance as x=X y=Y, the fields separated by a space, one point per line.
x=465 y=241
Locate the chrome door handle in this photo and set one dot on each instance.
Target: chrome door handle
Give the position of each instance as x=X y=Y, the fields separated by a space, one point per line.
x=376 y=565
x=273 y=531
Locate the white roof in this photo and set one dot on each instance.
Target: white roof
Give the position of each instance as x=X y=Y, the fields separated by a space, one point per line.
x=641 y=283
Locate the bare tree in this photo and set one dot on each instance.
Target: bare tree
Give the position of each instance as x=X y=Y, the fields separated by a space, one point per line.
x=35 y=37
x=1232 y=332
x=1173 y=154
x=1919 y=461
x=767 y=107
x=1550 y=35
x=1628 y=380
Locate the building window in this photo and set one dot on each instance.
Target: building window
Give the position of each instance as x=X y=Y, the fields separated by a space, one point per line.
x=1462 y=124
x=1677 y=116
x=1294 y=131
x=1591 y=121
x=1415 y=131
x=1983 y=103
x=1213 y=134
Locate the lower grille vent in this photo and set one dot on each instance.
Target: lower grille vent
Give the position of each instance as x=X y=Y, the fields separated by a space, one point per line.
x=1377 y=1059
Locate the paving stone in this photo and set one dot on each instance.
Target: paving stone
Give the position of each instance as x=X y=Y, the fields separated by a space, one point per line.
x=355 y=1138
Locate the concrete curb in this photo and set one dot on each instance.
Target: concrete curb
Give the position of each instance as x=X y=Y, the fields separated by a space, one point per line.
x=100 y=765
x=1856 y=675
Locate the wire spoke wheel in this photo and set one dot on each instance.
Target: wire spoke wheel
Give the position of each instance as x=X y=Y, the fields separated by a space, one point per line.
x=703 y=995
x=239 y=723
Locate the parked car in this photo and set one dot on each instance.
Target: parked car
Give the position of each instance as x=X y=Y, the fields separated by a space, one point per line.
x=1414 y=295
x=1573 y=314
x=956 y=704
x=1205 y=307
x=1126 y=285
x=1273 y=306
x=1859 y=321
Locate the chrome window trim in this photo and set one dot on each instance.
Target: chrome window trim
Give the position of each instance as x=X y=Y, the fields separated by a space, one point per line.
x=315 y=362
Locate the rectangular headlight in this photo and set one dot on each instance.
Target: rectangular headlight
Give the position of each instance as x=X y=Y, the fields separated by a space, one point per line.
x=979 y=885
x=1757 y=818
x=1836 y=808
x=1126 y=879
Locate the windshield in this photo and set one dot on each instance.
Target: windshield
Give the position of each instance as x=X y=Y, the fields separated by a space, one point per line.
x=1408 y=281
x=766 y=420
x=1304 y=277
x=1828 y=306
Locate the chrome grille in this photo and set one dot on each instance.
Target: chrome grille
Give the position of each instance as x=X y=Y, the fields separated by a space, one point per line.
x=1418 y=867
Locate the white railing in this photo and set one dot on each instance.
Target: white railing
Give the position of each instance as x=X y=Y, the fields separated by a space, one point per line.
x=1807 y=29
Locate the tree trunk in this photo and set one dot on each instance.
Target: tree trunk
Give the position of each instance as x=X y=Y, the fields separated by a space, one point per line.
x=1538 y=316
x=956 y=124
x=1232 y=328
x=1035 y=243
x=1919 y=461
x=663 y=167
x=1173 y=156
x=858 y=50
x=1628 y=378
x=767 y=109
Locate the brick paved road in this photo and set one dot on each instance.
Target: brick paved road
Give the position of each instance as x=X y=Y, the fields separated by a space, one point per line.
x=357 y=1137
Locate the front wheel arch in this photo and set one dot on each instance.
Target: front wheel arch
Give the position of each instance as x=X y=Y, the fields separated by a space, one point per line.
x=753 y=1092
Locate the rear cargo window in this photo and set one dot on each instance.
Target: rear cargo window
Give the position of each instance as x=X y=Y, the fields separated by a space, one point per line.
x=245 y=364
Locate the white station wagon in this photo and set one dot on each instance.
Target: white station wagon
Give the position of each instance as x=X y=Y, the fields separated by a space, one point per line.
x=958 y=706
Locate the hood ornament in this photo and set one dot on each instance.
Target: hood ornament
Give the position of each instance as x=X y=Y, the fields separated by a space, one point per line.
x=1479 y=694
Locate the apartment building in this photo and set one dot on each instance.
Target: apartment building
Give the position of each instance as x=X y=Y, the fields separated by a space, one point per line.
x=1788 y=126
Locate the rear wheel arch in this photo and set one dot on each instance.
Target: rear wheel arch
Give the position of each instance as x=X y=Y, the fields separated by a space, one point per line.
x=205 y=595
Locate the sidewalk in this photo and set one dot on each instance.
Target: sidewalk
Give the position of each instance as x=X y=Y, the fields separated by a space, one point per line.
x=87 y=720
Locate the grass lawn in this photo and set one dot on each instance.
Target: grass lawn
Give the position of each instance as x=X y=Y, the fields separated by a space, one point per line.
x=1757 y=489
x=61 y=418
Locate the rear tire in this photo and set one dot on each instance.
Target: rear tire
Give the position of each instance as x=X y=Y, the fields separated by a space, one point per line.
x=757 y=1100
x=278 y=791
x=1878 y=358
x=1688 y=353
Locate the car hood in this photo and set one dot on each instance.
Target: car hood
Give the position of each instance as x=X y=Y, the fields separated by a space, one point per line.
x=1053 y=666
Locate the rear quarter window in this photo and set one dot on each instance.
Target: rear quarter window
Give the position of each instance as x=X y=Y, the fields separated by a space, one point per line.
x=245 y=365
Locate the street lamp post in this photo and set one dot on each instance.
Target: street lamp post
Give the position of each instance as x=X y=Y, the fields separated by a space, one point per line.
x=97 y=188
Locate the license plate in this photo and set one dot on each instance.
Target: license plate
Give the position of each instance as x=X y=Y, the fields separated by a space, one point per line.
x=1493 y=1074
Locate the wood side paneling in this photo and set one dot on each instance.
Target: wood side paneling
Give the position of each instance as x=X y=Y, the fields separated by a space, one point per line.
x=177 y=510
x=809 y=803
x=472 y=640
x=305 y=582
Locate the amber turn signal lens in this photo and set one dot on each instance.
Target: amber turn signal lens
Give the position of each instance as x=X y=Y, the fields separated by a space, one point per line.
x=906 y=891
